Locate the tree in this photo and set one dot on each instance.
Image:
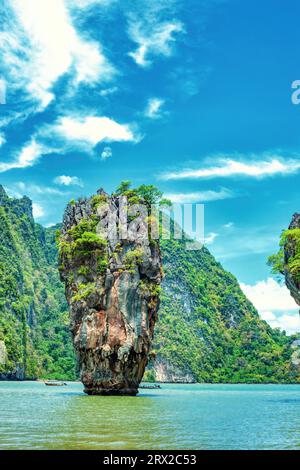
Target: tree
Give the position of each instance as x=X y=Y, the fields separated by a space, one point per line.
x=149 y=193
x=123 y=187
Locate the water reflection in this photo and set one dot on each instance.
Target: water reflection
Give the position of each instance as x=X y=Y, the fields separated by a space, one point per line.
x=110 y=422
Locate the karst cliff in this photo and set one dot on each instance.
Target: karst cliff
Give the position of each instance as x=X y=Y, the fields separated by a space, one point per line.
x=292 y=257
x=112 y=287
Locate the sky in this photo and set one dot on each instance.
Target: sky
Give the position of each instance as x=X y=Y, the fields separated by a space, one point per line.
x=193 y=96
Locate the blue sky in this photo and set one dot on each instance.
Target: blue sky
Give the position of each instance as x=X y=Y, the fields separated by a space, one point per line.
x=192 y=96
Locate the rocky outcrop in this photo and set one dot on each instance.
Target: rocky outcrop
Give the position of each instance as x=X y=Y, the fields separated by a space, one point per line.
x=3 y=353
x=17 y=373
x=168 y=373
x=112 y=287
x=292 y=278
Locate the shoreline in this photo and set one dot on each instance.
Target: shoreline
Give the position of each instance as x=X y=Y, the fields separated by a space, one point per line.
x=165 y=383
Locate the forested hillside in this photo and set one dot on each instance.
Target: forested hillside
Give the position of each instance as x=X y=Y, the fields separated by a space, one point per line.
x=34 y=334
x=210 y=330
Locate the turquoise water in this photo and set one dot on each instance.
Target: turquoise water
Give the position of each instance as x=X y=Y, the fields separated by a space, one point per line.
x=33 y=416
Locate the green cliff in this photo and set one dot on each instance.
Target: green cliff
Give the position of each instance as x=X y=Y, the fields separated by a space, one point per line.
x=286 y=262
x=34 y=332
x=209 y=330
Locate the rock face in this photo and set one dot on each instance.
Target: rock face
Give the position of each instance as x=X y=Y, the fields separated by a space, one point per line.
x=167 y=373
x=3 y=353
x=112 y=287
x=290 y=251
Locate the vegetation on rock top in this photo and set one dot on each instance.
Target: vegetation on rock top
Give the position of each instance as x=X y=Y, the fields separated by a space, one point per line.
x=289 y=243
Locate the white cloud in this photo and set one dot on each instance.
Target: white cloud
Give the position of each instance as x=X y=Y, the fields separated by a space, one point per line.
x=88 y=3
x=109 y=91
x=65 y=180
x=106 y=153
x=210 y=238
x=228 y=225
x=227 y=167
x=153 y=27
x=21 y=188
x=288 y=323
x=93 y=130
x=269 y=295
x=201 y=196
x=274 y=304
x=2 y=139
x=153 y=109
x=37 y=210
x=68 y=132
x=2 y=91
x=158 y=42
x=40 y=44
x=15 y=117
x=50 y=224
x=28 y=156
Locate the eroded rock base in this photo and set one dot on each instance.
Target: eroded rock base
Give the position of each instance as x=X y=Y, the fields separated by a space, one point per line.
x=111 y=391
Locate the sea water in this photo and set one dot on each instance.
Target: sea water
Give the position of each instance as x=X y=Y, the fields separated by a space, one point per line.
x=196 y=416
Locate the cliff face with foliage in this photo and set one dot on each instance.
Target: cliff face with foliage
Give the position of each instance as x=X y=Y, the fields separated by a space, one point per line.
x=206 y=330
x=112 y=288
x=286 y=262
x=291 y=244
x=209 y=331
x=34 y=335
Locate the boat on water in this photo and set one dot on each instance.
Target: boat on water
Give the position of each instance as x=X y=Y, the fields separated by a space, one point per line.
x=54 y=383
x=150 y=387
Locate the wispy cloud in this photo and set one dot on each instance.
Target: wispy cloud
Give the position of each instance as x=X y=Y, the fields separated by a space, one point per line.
x=40 y=44
x=154 y=108
x=89 y=3
x=200 y=196
x=246 y=241
x=274 y=304
x=210 y=238
x=109 y=91
x=27 y=157
x=2 y=91
x=159 y=42
x=154 y=29
x=20 y=188
x=106 y=153
x=42 y=196
x=2 y=139
x=70 y=132
x=229 y=225
x=227 y=168
x=65 y=180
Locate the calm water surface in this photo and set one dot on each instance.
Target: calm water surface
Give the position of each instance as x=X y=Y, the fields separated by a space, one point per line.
x=33 y=416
